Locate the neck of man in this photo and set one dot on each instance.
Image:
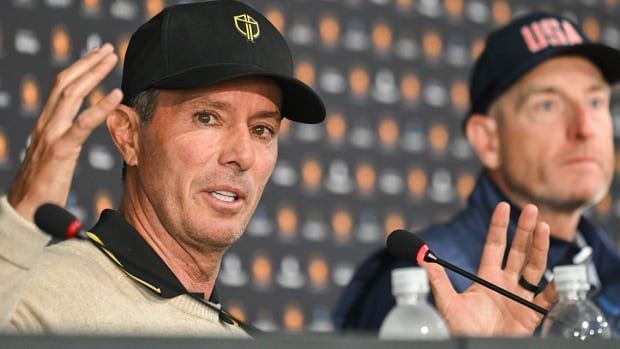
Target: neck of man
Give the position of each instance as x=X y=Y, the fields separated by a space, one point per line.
x=563 y=223
x=195 y=266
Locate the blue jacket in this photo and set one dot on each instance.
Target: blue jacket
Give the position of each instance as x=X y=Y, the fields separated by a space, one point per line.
x=367 y=299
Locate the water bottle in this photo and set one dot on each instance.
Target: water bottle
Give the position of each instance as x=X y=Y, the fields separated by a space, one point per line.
x=574 y=315
x=412 y=318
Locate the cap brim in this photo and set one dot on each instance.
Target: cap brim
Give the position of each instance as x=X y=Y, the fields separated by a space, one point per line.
x=299 y=102
x=607 y=60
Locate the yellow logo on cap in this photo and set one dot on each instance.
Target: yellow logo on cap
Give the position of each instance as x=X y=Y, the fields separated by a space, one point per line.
x=247 y=26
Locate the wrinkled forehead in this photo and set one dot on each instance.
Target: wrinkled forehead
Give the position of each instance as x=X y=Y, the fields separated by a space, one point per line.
x=223 y=92
x=552 y=75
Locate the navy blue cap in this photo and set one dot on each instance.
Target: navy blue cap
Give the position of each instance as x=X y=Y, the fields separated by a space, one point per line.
x=526 y=42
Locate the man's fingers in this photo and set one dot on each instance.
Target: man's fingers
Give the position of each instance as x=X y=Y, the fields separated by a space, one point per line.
x=68 y=75
x=89 y=119
x=537 y=256
x=522 y=240
x=546 y=298
x=495 y=245
x=442 y=288
x=46 y=174
x=73 y=95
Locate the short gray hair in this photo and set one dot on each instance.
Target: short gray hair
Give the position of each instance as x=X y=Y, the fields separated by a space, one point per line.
x=144 y=104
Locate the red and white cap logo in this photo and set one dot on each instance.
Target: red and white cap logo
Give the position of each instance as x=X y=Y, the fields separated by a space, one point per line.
x=546 y=32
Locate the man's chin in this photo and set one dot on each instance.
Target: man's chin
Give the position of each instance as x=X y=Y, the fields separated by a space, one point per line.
x=219 y=241
x=576 y=200
x=218 y=234
x=586 y=191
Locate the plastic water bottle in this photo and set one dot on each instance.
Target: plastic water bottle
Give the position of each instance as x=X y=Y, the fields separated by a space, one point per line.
x=412 y=318
x=574 y=316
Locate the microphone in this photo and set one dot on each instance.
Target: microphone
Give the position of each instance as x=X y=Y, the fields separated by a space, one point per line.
x=57 y=222
x=408 y=246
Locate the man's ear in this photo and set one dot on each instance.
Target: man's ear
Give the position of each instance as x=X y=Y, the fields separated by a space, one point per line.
x=482 y=133
x=123 y=125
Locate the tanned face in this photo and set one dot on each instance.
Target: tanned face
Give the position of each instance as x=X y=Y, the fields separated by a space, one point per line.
x=205 y=158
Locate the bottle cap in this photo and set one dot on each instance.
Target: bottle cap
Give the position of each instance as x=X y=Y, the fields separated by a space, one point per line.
x=571 y=278
x=409 y=280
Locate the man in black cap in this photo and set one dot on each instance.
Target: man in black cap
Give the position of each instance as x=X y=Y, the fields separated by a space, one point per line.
x=541 y=126
x=204 y=89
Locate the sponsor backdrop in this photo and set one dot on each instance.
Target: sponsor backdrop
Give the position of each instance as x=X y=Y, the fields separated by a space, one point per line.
x=390 y=155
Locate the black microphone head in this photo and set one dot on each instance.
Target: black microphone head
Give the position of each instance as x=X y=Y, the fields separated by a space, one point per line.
x=405 y=245
x=56 y=221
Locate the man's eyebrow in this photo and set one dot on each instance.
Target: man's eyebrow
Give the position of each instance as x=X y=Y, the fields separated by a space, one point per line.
x=526 y=93
x=540 y=89
x=270 y=114
x=599 y=86
x=273 y=118
x=203 y=102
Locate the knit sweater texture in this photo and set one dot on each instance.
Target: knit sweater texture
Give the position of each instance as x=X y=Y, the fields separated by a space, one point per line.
x=73 y=288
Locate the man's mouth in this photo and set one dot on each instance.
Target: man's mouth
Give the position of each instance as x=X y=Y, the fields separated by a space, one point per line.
x=224 y=195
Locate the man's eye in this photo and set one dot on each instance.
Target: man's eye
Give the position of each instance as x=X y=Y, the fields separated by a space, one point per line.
x=546 y=105
x=263 y=131
x=205 y=117
x=596 y=102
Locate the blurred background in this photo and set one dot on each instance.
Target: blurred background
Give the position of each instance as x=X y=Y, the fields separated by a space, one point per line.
x=391 y=154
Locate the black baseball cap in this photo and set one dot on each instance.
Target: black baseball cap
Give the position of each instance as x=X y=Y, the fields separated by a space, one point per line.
x=526 y=42
x=201 y=44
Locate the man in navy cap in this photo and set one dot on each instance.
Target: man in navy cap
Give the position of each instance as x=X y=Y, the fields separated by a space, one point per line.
x=204 y=89
x=541 y=126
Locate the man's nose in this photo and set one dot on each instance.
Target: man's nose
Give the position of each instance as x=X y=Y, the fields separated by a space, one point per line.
x=238 y=149
x=582 y=123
